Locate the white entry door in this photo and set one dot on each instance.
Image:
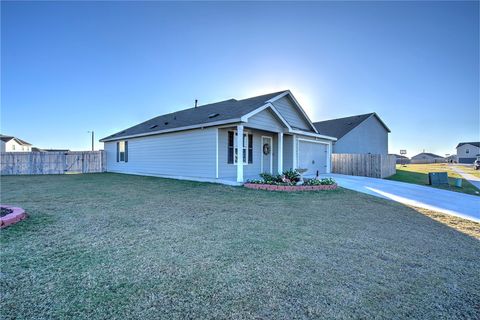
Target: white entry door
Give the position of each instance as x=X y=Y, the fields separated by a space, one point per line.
x=267 y=157
x=312 y=156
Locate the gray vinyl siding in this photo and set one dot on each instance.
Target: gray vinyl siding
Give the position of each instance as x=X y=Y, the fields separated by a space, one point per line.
x=252 y=170
x=185 y=154
x=472 y=151
x=287 y=152
x=265 y=120
x=368 y=137
x=290 y=113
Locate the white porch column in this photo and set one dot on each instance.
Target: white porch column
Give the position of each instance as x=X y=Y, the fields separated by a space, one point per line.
x=280 y=152
x=239 y=153
x=329 y=157
x=294 y=152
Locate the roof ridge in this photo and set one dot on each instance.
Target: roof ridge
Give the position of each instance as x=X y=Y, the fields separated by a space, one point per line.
x=357 y=115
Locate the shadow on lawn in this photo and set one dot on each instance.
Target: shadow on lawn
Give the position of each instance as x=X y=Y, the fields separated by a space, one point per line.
x=142 y=247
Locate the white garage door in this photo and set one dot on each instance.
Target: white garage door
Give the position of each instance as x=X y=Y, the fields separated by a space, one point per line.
x=312 y=156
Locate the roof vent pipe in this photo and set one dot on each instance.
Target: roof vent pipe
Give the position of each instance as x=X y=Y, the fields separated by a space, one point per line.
x=196 y=101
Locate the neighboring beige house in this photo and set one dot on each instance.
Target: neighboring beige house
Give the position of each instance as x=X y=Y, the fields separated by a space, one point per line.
x=426 y=157
x=467 y=152
x=13 y=144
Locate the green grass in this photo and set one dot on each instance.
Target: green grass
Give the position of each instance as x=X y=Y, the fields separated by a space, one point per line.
x=108 y=246
x=470 y=170
x=418 y=174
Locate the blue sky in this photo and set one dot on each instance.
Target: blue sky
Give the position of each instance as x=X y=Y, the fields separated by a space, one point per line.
x=69 y=67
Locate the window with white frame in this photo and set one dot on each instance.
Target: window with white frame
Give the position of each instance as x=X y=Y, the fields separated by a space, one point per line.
x=247 y=148
x=122 y=151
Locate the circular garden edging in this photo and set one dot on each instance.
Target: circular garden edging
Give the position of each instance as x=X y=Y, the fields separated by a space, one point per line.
x=272 y=187
x=17 y=214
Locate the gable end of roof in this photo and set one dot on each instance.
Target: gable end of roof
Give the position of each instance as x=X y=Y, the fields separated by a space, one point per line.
x=476 y=144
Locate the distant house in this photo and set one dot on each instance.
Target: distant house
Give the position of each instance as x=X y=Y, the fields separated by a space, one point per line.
x=426 y=157
x=467 y=152
x=227 y=142
x=401 y=159
x=365 y=133
x=452 y=158
x=13 y=144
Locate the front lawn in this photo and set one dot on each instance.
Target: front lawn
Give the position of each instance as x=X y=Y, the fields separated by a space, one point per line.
x=111 y=246
x=418 y=174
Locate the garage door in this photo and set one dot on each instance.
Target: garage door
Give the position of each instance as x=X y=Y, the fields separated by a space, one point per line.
x=312 y=156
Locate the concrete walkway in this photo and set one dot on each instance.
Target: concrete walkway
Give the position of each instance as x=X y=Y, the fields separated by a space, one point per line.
x=458 y=204
x=467 y=176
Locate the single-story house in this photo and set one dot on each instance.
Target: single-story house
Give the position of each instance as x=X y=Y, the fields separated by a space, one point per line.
x=13 y=144
x=426 y=157
x=400 y=159
x=467 y=152
x=361 y=134
x=227 y=142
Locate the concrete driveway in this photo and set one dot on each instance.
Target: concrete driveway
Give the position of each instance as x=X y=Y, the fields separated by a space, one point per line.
x=467 y=176
x=449 y=202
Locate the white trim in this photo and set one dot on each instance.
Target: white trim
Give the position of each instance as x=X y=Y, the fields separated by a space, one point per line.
x=380 y=120
x=329 y=152
x=196 y=126
x=316 y=141
x=271 y=154
x=240 y=144
x=245 y=132
x=272 y=107
x=316 y=135
x=216 y=154
x=280 y=152
x=294 y=157
x=298 y=106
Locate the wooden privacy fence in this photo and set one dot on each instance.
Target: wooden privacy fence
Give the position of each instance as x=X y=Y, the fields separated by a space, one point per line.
x=13 y=163
x=367 y=165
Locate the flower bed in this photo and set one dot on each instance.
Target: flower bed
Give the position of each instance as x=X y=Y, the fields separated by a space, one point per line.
x=12 y=215
x=272 y=187
x=290 y=180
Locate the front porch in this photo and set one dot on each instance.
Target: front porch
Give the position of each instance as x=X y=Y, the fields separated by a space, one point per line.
x=267 y=151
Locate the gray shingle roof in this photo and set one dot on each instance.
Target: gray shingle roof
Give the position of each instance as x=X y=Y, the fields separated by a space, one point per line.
x=220 y=111
x=427 y=154
x=339 y=127
x=8 y=138
x=476 y=144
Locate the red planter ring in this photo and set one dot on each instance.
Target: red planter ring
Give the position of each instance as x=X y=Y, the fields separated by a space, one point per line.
x=18 y=214
x=271 y=187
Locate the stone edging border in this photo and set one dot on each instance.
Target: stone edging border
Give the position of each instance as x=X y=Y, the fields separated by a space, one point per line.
x=17 y=215
x=271 y=187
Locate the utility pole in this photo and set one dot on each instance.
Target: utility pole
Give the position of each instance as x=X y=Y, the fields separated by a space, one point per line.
x=93 y=139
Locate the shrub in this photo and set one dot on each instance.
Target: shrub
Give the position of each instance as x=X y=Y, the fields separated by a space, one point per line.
x=271 y=179
x=256 y=181
x=317 y=182
x=292 y=175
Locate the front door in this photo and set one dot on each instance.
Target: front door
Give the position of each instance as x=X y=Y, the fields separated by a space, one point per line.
x=267 y=157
